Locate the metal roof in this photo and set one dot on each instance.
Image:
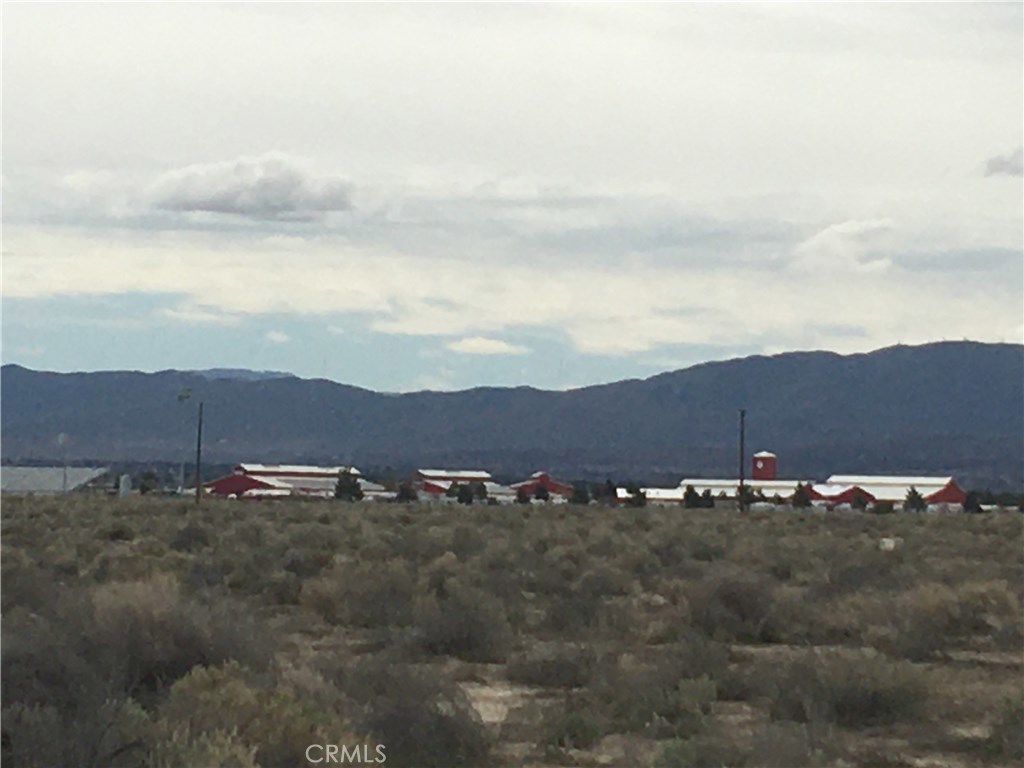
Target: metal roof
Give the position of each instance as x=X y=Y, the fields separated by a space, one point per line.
x=454 y=474
x=764 y=455
x=938 y=482
x=768 y=487
x=496 y=489
x=46 y=480
x=294 y=469
x=833 y=489
x=664 y=494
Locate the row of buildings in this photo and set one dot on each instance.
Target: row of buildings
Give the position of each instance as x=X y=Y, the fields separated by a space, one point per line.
x=837 y=489
x=267 y=481
x=254 y=481
x=278 y=480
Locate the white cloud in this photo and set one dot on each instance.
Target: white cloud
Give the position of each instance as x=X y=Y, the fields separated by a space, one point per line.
x=481 y=345
x=277 y=337
x=1011 y=164
x=273 y=186
x=198 y=315
x=601 y=310
x=856 y=244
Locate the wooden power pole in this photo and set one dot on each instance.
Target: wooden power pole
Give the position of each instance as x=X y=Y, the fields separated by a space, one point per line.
x=199 y=454
x=743 y=452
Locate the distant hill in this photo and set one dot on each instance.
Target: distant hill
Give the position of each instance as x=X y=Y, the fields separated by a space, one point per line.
x=951 y=407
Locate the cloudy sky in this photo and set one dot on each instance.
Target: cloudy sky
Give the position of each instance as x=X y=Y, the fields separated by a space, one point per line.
x=440 y=196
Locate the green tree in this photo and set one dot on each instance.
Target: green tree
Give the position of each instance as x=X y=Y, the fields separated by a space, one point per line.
x=972 y=503
x=541 y=493
x=406 y=492
x=859 y=501
x=801 y=497
x=479 y=491
x=522 y=496
x=915 y=501
x=580 y=494
x=465 y=494
x=692 y=499
x=609 y=494
x=150 y=481
x=637 y=498
x=453 y=491
x=707 y=499
x=745 y=495
x=347 y=488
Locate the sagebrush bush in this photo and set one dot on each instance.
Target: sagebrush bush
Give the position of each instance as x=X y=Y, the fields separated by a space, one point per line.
x=378 y=594
x=735 y=606
x=268 y=721
x=1006 y=741
x=422 y=719
x=853 y=691
x=577 y=725
x=462 y=622
x=670 y=696
x=560 y=666
x=713 y=749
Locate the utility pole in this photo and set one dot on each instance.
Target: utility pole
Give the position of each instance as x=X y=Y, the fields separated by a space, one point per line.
x=743 y=452
x=199 y=454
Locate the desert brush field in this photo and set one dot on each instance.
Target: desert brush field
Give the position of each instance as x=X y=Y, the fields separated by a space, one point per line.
x=154 y=632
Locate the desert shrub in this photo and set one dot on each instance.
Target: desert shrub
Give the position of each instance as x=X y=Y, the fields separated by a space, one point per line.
x=933 y=617
x=781 y=745
x=855 y=570
x=1006 y=741
x=463 y=622
x=665 y=696
x=422 y=719
x=109 y=733
x=362 y=594
x=153 y=636
x=118 y=532
x=568 y=666
x=604 y=581
x=466 y=542
x=712 y=749
x=987 y=606
x=734 y=606
x=270 y=720
x=578 y=725
x=706 y=551
x=305 y=563
x=120 y=639
x=855 y=691
x=183 y=747
x=922 y=622
x=573 y=613
x=190 y=537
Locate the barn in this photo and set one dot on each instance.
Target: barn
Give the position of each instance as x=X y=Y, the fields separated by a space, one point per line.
x=547 y=482
x=935 y=490
x=268 y=480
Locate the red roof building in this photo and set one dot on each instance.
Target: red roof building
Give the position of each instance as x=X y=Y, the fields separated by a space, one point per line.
x=546 y=481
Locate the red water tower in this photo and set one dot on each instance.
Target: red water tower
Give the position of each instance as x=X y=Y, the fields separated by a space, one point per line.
x=763 y=466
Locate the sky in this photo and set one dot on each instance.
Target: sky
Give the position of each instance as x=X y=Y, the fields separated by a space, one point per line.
x=415 y=196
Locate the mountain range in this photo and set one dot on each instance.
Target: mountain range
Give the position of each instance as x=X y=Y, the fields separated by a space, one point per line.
x=944 y=408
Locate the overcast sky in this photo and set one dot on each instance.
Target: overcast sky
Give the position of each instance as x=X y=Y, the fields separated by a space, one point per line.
x=440 y=196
